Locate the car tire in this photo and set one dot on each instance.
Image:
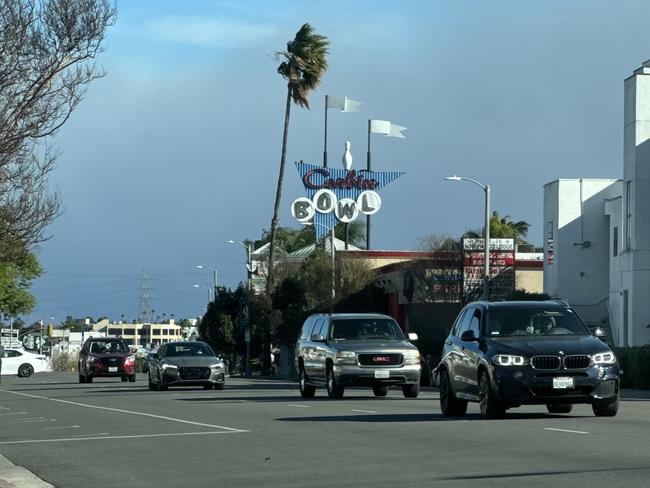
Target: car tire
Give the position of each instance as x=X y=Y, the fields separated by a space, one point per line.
x=602 y=409
x=306 y=390
x=25 y=370
x=89 y=378
x=334 y=390
x=491 y=408
x=449 y=404
x=559 y=408
x=124 y=379
x=219 y=386
x=82 y=378
x=152 y=386
x=411 y=391
x=207 y=387
x=131 y=378
x=380 y=391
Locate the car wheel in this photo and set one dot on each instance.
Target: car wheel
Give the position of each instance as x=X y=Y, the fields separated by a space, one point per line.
x=131 y=378
x=124 y=379
x=207 y=387
x=490 y=407
x=152 y=386
x=82 y=378
x=602 y=409
x=89 y=378
x=306 y=390
x=411 y=391
x=219 y=386
x=380 y=391
x=25 y=370
x=449 y=404
x=559 y=408
x=333 y=389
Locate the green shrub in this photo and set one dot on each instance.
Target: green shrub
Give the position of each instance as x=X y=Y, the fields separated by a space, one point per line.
x=635 y=362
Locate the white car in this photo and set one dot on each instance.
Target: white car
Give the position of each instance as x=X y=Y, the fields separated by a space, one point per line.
x=23 y=363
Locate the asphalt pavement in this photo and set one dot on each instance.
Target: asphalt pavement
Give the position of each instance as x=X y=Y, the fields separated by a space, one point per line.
x=260 y=432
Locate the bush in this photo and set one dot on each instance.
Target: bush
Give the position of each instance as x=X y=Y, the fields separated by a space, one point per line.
x=635 y=362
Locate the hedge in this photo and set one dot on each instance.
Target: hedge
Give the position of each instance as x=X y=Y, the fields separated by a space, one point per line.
x=635 y=362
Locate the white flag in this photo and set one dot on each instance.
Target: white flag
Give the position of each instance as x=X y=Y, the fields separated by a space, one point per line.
x=387 y=128
x=344 y=103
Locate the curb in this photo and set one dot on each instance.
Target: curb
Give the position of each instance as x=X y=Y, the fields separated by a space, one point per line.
x=12 y=476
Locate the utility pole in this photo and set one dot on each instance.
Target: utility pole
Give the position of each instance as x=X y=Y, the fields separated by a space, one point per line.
x=145 y=302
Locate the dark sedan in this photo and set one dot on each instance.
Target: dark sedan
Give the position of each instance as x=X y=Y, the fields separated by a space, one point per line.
x=507 y=354
x=187 y=363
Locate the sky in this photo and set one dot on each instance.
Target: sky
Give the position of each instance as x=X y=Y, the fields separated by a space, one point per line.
x=176 y=149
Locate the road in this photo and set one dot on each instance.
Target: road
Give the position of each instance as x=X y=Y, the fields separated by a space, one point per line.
x=260 y=433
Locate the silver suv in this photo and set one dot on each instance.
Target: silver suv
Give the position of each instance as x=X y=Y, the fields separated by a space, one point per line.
x=340 y=350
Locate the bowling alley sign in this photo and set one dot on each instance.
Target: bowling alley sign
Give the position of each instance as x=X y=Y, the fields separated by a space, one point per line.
x=338 y=195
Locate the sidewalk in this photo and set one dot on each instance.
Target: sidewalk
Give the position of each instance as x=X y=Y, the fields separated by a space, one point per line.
x=12 y=476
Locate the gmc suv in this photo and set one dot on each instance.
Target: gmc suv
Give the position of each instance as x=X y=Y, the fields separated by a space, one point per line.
x=506 y=354
x=340 y=350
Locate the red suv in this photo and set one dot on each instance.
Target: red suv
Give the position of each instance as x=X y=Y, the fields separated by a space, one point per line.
x=108 y=357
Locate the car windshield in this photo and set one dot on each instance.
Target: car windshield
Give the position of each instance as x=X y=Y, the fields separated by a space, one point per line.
x=108 y=347
x=364 y=329
x=198 y=349
x=538 y=321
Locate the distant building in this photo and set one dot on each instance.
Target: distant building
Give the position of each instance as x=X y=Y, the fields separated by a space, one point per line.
x=141 y=334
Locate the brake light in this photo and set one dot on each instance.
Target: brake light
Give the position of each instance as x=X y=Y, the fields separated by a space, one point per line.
x=129 y=360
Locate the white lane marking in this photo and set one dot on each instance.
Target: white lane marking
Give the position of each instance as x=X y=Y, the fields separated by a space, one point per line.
x=142 y=436
x=297 y=405
x=365 y=411
x=60 y=428
x=5 y=408
x=119 y=410
x=32 y=421
x=565 y=430
x=33 y=418
x=14 y=413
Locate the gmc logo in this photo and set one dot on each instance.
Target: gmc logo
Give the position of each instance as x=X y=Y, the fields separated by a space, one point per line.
x=381 y=359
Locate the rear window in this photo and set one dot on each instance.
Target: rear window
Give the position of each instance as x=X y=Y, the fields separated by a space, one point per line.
x=108 y=347
x=364 y=329
x=539 y=321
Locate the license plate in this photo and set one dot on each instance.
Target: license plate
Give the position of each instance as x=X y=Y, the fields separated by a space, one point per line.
x=112 y=369
x=382 y=374
x=562 y=382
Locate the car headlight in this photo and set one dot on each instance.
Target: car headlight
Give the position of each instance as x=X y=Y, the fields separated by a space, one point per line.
x=509 y=360
x=216 y=366
x=169 y=366
x=345 y=357
x=604 y=358
x=412 y=357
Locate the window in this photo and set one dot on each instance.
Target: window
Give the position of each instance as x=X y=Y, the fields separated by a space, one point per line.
x=475 y=323
x=114 y=331
x=306 y=329
x=129 y=331
x=615 y=242
x=459 y=320
x=465 y=322
x=12 y=354
x=365 y=329
x=317 y=327
x=155 y=332
x=628 y=215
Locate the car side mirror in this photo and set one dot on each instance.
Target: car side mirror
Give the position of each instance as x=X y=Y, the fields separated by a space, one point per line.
x=413 y=336
x=155 y=355
x=317 y=338
x=468 y=336
x=600 y=332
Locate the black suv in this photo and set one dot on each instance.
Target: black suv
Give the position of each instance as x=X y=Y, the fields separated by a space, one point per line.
x=507 y=354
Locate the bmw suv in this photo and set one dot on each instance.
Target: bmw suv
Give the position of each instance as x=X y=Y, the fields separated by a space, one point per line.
x=340 y=350
x=506 y=354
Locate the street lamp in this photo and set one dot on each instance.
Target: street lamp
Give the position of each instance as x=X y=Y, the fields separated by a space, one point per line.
x=207 y=288
x=486 y=259
x=250 y=269
x=214 y=278
x=332 y=251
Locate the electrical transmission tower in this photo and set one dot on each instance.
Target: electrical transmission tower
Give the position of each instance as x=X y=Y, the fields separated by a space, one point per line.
x=146 y=314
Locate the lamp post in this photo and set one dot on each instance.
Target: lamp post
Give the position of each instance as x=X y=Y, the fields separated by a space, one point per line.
x=207 y=288
x=250 y=269
x=332 y=252
x=214 y=278
x=486 y=259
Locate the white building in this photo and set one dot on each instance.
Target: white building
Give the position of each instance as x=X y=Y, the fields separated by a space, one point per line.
x=597 y=249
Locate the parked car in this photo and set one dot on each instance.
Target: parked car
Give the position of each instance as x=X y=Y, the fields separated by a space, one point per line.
x=106 y=357
x=506 y=354
x=23 y=363
x=340 y=350
x=187 y=363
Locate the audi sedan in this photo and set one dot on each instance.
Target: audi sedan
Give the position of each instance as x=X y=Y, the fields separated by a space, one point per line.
x=506 y=354
x=189 y=363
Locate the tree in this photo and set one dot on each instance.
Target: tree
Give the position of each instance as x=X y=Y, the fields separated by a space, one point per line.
x=304 y=63
x=15 y=279
x=47 y=59
x=504 y=227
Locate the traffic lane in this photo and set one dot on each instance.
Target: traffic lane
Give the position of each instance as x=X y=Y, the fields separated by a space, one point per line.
x=303 y=441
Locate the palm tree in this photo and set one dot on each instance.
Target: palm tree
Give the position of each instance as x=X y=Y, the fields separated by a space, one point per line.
x=504 y=227
x=303 y=64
